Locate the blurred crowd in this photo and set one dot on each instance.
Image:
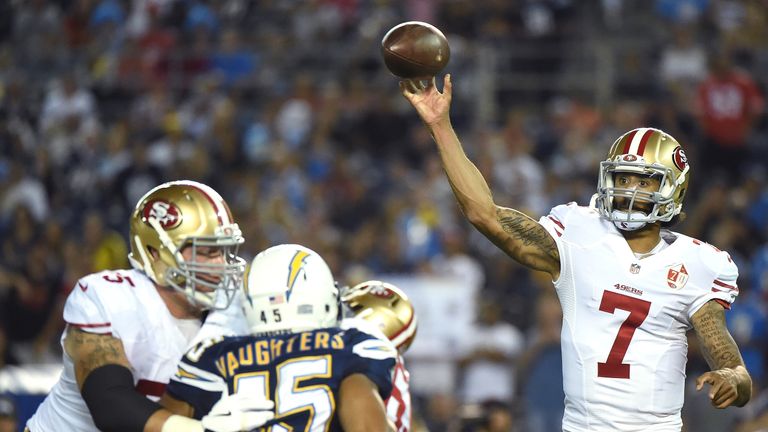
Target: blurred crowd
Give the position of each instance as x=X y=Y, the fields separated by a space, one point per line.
x=285 y=108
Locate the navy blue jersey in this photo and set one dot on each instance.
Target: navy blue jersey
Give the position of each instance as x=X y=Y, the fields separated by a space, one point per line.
x=300 y=372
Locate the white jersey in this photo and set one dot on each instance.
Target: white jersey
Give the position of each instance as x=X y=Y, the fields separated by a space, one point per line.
x=126 y=305
x=232 y=322
x=625 y=320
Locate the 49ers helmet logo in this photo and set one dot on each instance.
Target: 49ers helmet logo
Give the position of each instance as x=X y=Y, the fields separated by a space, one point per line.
x=629 y=158
x=165 y=212
x=679 y=158
x=381 y=291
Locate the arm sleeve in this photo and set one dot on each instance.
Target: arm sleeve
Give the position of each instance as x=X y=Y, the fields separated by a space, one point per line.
x=723 y=287
x=84 y=309
x=197 y=381
x=373 y=357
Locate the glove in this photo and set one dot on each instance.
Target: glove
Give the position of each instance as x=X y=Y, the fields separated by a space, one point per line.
x=239 y=412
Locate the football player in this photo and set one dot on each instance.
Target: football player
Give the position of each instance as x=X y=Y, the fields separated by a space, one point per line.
x=319 y=376
x=126 y=329
x=388 y=310
x=629 y=287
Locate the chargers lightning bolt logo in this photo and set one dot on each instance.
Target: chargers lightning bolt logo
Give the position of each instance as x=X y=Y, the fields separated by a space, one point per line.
x=295 y=268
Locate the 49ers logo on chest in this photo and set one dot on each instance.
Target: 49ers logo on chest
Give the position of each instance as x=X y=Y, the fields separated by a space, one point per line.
x=677 y=276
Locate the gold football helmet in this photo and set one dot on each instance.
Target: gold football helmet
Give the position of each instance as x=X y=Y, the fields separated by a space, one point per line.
x=650 y=152
x=387 y=307
x=181 y=214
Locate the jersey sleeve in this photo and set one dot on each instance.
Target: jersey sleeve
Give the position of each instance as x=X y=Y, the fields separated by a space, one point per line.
x=85 y=310
x=554 y=222
x=197 y=380
x=373 y=357
x=723 y=287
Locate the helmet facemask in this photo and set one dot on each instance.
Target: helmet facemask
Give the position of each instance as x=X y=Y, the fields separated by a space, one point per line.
x=219 y=280
x=665 y=206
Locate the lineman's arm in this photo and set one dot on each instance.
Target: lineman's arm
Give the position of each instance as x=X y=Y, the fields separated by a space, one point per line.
x=104 y=377
x=516 y=234
x=360 y=406
x=729 y=379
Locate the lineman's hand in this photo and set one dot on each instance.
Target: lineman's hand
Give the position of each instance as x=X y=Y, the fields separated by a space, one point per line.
x=723 y=391
x=432 y=106
x=239 y=412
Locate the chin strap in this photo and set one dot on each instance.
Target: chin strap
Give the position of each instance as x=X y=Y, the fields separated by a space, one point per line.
x=628 y=221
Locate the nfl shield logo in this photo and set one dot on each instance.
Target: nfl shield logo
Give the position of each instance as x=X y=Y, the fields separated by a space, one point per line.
x=634 y=269
x=677 y=276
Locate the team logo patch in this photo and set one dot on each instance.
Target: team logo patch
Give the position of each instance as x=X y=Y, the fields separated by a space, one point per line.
x=634 y=268
x=165 y=212
x=629 y=158
x=679 y=158
x=295 y=268
x=677 y=276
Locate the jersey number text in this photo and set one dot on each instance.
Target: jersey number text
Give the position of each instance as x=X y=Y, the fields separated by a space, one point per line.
x=638 y=311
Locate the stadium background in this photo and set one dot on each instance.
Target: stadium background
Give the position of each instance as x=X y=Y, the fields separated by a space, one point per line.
x=285 y=108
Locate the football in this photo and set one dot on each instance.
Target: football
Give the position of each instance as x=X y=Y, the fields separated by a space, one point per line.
x=415 y=50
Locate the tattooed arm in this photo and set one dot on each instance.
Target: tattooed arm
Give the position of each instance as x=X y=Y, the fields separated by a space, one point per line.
x=518 y=235
x=729 y=379
x=90 y=351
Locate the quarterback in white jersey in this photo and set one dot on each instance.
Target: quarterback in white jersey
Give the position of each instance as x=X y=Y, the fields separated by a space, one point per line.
x=126 y=329
x=628 y=288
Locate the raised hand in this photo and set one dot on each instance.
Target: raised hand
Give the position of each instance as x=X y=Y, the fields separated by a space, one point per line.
x=432 y=105
x=723 y=391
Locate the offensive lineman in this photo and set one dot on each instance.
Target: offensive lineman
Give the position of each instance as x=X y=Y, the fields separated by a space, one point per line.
x=126 y=329
x=387 y=309
x=629 y=288
x=320 y=376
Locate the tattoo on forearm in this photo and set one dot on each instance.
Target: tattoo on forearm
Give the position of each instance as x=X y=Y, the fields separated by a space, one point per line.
x=717 y=345
x=531 y=234
x=523 y=228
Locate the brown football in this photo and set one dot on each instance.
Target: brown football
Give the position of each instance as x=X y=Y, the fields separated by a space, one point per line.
x=415 y=50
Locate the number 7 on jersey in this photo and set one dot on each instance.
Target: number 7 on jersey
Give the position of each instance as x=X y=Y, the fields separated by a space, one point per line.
x=638 y=311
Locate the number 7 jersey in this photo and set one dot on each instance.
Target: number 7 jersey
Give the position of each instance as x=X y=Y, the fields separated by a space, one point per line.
x=625 y=320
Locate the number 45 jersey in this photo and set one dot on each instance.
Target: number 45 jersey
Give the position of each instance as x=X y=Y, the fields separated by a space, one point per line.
x=300 y=372
x=625 y=320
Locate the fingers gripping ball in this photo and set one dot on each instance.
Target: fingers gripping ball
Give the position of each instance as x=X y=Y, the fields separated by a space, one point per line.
x=415 y=50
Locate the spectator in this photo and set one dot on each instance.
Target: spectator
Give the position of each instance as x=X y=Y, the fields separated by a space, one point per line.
x=729 y=102
x=8 y=418
x=541 y=365
x=490 y=349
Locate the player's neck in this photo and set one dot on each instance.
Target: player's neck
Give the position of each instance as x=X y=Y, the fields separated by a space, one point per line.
x=177 y=303
x=644 y=239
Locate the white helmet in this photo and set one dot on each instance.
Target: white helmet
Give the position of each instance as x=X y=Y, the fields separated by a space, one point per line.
x=290 y=288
